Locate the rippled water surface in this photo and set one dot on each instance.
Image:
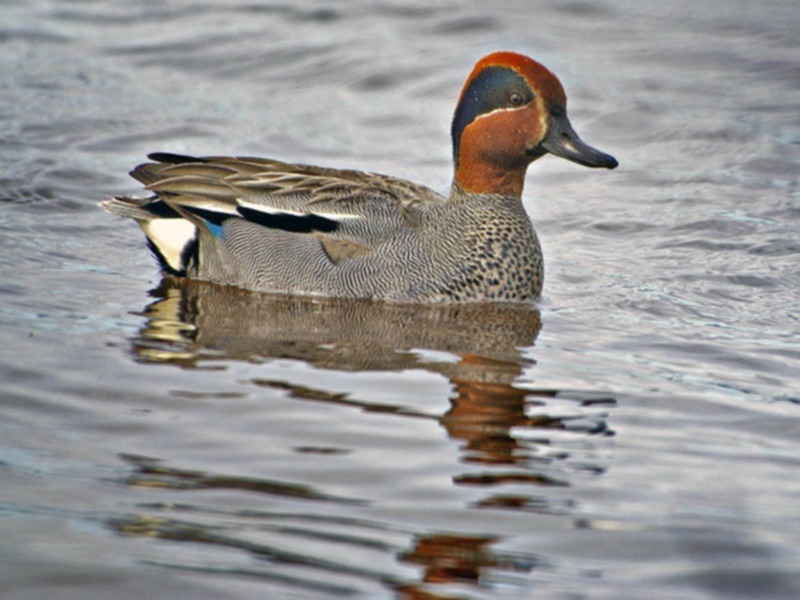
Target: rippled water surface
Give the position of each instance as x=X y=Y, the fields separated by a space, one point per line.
x=635 y=434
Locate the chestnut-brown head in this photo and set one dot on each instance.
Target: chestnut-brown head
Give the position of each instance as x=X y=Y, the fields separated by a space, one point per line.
x=512 y=110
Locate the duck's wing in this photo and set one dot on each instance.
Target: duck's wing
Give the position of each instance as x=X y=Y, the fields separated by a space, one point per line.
x=277 y=194
x=350 y=212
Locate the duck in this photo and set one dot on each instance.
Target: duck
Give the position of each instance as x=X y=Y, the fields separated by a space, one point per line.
x=271 y=226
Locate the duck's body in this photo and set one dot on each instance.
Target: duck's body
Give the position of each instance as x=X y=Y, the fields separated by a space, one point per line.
x=277 y=227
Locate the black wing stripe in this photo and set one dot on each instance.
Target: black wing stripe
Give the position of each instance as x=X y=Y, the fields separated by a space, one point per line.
x=307 y=223
x=210 y=216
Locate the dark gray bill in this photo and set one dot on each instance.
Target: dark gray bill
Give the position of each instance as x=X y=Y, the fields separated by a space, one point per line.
x=564 y=142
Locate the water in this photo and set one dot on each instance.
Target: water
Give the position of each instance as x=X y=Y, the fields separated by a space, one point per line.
x=633 y=435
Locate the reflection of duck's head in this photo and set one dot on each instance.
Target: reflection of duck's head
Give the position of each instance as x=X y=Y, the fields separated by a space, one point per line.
x=452 y=558
x=190 y=320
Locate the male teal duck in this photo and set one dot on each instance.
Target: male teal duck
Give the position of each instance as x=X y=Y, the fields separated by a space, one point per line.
x=270 y=226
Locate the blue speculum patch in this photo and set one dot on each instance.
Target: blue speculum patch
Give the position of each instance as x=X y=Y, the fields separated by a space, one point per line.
x=489 y=90
x=211 y=219
x=216 y=230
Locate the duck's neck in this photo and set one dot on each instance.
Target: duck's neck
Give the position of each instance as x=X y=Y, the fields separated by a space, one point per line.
x=479 y=172
x=482 y=178
x=489 y=200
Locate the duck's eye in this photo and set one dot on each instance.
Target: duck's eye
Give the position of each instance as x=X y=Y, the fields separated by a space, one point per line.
x=516 y=99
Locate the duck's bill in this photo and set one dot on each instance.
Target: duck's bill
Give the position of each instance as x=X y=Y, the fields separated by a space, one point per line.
x=564 y=142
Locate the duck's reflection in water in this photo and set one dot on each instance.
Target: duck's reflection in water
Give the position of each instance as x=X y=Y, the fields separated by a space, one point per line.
x=505 y=427
x=191 y=321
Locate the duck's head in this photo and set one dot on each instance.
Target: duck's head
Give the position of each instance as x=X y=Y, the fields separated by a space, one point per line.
x=512 y=110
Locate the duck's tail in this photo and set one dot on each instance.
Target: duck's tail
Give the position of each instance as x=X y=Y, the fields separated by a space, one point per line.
x=171 y=238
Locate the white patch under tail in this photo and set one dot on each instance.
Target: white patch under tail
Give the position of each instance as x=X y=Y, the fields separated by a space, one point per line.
x=171 y=237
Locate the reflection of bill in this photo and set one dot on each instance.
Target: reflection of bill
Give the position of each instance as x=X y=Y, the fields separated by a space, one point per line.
x=452 y=558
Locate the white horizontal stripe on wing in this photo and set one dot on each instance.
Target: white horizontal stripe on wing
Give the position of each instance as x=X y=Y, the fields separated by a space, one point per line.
x=271 y=210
